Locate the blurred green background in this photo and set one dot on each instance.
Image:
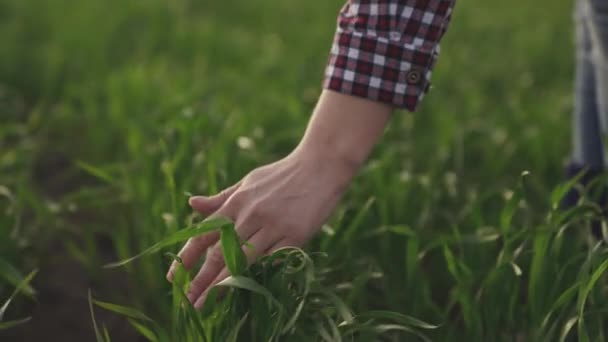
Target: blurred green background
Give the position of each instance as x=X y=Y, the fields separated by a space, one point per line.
x=111 y=110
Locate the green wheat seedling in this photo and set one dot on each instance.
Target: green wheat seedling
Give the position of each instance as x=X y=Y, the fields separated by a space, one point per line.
x=22 y=287
x=279 y=297
x=109 y=114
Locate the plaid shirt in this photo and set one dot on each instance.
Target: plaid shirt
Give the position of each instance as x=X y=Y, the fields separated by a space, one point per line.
x=385 y=50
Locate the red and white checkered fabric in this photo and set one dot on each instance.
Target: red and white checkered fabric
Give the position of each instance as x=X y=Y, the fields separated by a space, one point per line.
x=385 y=50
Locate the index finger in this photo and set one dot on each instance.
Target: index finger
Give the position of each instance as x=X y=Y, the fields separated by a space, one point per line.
x=193 y=250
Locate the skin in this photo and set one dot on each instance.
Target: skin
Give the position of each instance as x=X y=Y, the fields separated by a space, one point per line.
x=285 y=203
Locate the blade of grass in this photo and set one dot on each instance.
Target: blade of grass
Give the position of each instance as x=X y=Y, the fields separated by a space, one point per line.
x=179 y=236
x=122 y=310
x=143 y=330
x=234 y=333
x=235 y=258
x=249 y=284
x=14 y=277
x=10 y=324
x=565 y=297
x=98 y=336
x=23 y=284
x=397 y=317
x=560 y=191
x=106 y=334
x=95 y=171
x=341 y=308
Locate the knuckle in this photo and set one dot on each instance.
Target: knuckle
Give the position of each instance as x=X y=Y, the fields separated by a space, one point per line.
x=195 y=284
x=215 y=255
x=257 y=214
x=296 y=233
x=236 y=201
x=263 y=213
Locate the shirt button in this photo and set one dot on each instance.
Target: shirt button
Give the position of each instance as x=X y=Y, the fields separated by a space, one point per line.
x=413 y=77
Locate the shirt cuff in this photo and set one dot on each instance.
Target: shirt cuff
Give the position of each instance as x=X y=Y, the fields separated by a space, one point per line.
x=380 y=69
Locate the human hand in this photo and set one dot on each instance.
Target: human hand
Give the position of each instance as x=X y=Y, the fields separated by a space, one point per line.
x=286 y=202
x=281 y=204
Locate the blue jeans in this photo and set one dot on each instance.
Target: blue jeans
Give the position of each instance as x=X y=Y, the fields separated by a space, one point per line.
x=591 y=85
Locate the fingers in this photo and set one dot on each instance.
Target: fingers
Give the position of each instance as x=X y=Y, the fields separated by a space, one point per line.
x=190 y=254
x=193 y=250
x=215 y=259
x=207 y=205
x=195 y=247
x=210 y=269
x=214 y=271
x=201 y=300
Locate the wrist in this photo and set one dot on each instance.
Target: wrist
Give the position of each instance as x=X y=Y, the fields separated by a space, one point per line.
x=335 y=172
x=343 y=130
x=329 y=150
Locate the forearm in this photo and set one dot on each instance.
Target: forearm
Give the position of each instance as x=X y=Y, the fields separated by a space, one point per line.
x=344 y=129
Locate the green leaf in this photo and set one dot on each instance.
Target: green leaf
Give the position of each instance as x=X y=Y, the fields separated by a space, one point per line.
x=323 y=333
x=384 y=328
x=106 y=334
x=179 y=236
x=582 y=331
x=397 y=317
x=411 y=259
x=583 y=294
x=181 y=281
x=293 y=319
x=23 y=284
x=234 y=333
x=14 y=277
x=95 y=171
x=235 y=258
x=401 y=230
x=507 y=213
x=567 y=327
x=560 y=191
x=143 y=330
x=249 y=284
x=195 y=317
x=10 y=324
x=379 y=329
x=122 y=310
x=591 y=283
x=98 y=336
x=516 y=269
x=340 y=306
x=335 y=331
x=565 y=297
x=351 y=231
x=209 y=304
x=482 y=235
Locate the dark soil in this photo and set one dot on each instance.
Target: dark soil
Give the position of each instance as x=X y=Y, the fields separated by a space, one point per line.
x=60 y=311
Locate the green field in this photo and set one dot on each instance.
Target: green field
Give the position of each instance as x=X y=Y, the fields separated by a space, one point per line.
x=110 y=111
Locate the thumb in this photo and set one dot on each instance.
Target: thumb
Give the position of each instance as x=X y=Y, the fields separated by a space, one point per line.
x=209 y=204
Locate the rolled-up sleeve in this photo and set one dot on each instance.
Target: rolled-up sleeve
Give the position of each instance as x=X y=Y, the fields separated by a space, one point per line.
x=385 y=50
